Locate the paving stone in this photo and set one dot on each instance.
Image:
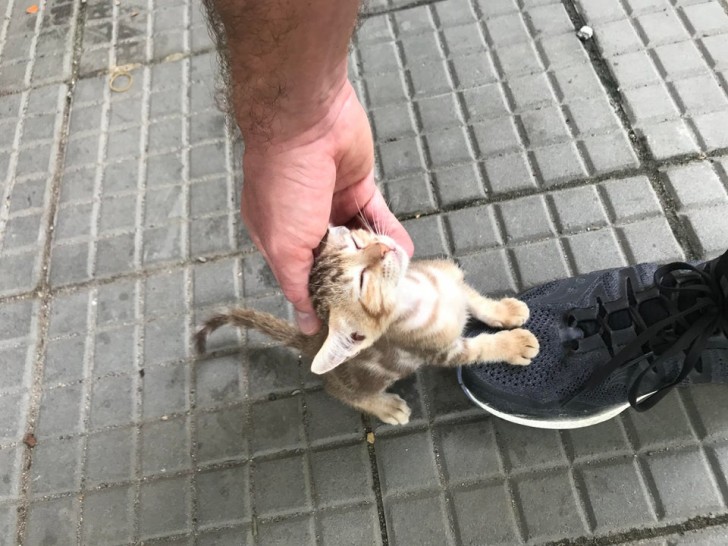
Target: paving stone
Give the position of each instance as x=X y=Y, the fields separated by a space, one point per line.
x=165 y=447
x=708 y=411
x=473 y=228
x=218 y=381
x=484 y=511
x=406 y=463
x=669 y=138
x=689 y=492
x=428 y=236
x=417 y=520
x=235 y=536
x=9 y=473
x=595 y=250
x=488 y=272
x=297 y=530
x=60 y=411
x=223 y=496
x=410 y=196
x=617 y=495
x=578 y=209
x=356 y=526
x=16 y=320
x=53 y=521
x=160 y=517
x=15 y=366
x=272 y=370
x=112 y=402
x=8 y=522
x=650 y=241
x=469 y=451
x=509 y=173
x=549 y=505
x=164 y=340
x=540 y=262
x=606 y=439
x=221 y=435
x=525 y=219
x=631 y=198
x=710 y=227
x=329 y=420
x=340 y=476
x=283 y=489
x=276 y=425
x=684 y=180
x=107 y=516
x=164 y=390
x=110 y=456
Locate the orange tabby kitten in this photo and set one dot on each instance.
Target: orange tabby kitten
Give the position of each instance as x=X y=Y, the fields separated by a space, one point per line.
x=382 y=311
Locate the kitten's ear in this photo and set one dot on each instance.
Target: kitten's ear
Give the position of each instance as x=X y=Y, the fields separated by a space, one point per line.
x=342 y=343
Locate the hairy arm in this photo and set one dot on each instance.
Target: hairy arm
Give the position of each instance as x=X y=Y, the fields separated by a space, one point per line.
x=308 y=156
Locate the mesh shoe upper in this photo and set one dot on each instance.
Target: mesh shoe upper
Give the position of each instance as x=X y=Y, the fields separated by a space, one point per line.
x=582 y=323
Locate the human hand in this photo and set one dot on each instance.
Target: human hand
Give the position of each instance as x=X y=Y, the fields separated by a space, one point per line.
x=319 y=170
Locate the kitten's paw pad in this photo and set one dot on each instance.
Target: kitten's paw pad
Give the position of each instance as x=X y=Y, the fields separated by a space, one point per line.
x=522 y=346
x=393 y=410
x=510 y=313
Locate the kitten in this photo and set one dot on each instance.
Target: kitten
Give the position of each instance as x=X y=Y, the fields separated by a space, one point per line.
x=387 y=316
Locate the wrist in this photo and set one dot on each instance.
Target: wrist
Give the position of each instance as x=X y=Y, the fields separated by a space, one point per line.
x=282 y=119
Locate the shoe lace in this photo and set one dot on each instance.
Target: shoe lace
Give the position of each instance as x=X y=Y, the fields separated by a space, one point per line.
x=696 y=303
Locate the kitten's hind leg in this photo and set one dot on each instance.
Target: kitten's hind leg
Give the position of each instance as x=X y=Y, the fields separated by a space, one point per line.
x=503 y=313
x=386 y=406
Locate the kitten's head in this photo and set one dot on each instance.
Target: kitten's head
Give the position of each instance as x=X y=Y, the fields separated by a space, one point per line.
x=353 y=285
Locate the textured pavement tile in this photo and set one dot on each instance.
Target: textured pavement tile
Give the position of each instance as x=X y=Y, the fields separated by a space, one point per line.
x=329 y=420
x=53 y=521
x=110 y=456
x=690 y=492
x=160 y=517
x=60 y=411
x=406 y=463
x=56 y=466
x=107 y=516
x=549 y=506
x=298 y=530
x=617 y=496
x=418 y=520
x=341 y=476
x=165 y=447
x=282 y=487
x=9 y=473
x=469 y=451
x=484 y=511
x=223 y=496
x=221 y=435
x=709 y=226
x=356 y=526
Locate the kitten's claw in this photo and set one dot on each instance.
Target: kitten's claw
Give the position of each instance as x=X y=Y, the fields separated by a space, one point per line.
x=392 y=409
x=521 y=346
x=509 y=313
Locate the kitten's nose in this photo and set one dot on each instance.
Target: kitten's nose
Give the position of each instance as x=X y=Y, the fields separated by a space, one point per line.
x=377 y=250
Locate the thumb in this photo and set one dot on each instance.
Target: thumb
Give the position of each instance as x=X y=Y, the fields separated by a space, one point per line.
x=378 y=214
x=292 y=274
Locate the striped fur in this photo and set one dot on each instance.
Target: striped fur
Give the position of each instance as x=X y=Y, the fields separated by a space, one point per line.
x=385 y=317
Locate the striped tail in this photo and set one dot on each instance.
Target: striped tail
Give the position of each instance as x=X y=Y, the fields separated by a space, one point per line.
x=276 y=328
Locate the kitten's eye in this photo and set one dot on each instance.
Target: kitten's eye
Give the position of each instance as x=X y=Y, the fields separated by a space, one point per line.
x=357 y=243
x=361 y=280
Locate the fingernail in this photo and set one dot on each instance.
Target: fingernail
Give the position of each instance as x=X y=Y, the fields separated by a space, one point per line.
x=308 y=323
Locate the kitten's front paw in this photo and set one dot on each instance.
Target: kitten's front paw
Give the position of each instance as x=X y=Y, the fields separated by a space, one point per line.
x=510 y=313
x=521 y=346
x=392 y=409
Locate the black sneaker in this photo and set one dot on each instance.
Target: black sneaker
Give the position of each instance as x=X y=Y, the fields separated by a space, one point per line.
x=610 y=340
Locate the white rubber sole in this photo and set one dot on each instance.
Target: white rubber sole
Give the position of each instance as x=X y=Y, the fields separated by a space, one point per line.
x=552 y=424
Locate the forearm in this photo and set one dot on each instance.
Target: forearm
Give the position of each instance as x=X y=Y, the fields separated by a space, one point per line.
x=287 y=61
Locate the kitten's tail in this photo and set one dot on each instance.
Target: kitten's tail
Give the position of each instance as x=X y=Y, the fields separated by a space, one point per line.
x=240 y=317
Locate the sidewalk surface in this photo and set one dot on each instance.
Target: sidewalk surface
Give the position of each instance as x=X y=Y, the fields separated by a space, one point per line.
x=503 y=141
